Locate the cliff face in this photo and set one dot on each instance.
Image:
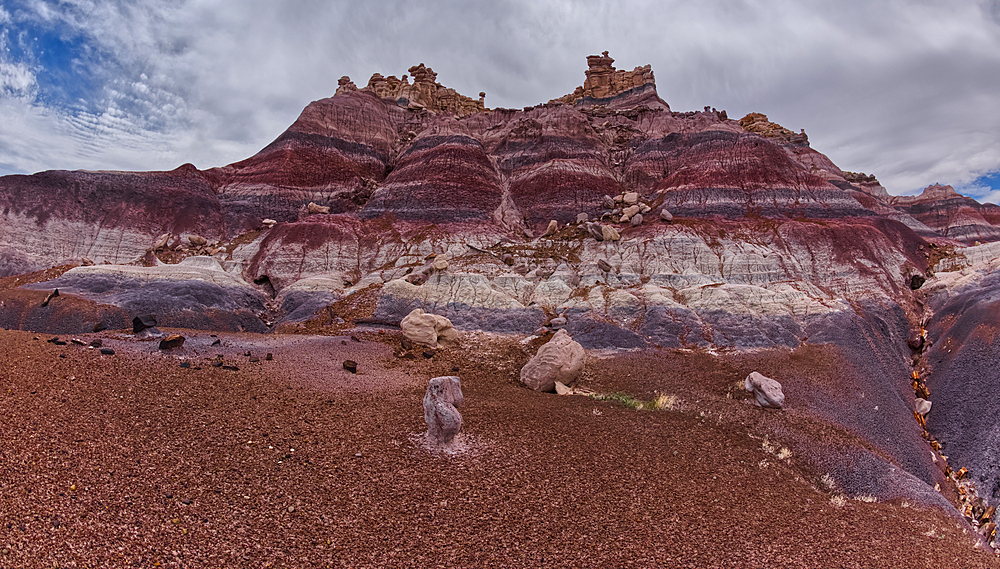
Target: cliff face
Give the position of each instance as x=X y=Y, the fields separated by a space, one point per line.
x=688 y=230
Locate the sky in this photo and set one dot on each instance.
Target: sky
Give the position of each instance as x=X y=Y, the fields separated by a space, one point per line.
x=906 y=90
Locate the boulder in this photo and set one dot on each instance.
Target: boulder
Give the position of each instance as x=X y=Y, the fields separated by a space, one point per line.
x=197 y=240
x=560 y=359
x=172 y=341
x=143 y=321
x=551 y=229
x=444 y=395
x=314 y=208
x=608 y=202
x=767 y=391
x=610 y=233
x=630 y=211
x=666 y=215
x=428 y=330
x=630 y=198
x=636 y=220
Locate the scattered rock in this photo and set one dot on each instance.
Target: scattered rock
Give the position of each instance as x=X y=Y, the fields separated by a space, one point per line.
x=609 y=202
x=610 y=233
x=582 y=217
x=440 y=263
x=915 y=341
x=508 y=259
x=444 y=395
x=560 y=359
x=630 y=211
x=562 y=389
x=140 y=323
x=917 y=281
x=428 y=354
x=552 y=229
x=268 y=357
x=604 y=265
x=636 y=220
x=172 y=341
x=595 y=231
x=78 y=342
x=767 y=391
x=428 y=330
x=107 y=351
x=217 y=343
x=161 y=241
x=644 y=209
x=314 y=208
x=557 y=322
x=253 y=359
x=96 y=343
x=922 y=406
x=51 y=295
x=217 y=363
x=197 y=240
x=268 y=223
x=185 y=365
x=351 y=366
x=630 y=198
x=666 y=215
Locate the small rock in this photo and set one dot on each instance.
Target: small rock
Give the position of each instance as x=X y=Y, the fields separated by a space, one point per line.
x=100 y=326
x=268 y=223
x=357 y=455
x=922 y=406
x=767 y=391
x=96 y=343
x=608 y=202
x=197 y=240
x=610 y=234
x=644 y=209
x=314 y=208
x=351 y=366
x=51 y=295
x=557 y=322
x=604 y=265
x=562 y=389
x=217 y=363
x=552 y=229
x=161 y=241
x=443 y=397
x=520 y=268
x=428 y=354
x=619 y=198
x=440 y=263
x=630 y=211
x=915 y=341
x=917 y=281
x=582 y=217
x=231 y=368
x=636 y=220
x=291 y=509
x=254 y=359
x=185 y=365
x=630 y=198
x=172 y=341
x=406 y=343
x=269 y=356
x=508 y=259
x=140 y=323
x=666 y=215
x=53 y=340
x=217 y=343
x=595 y=231
x=78 y=342
x=107 y=351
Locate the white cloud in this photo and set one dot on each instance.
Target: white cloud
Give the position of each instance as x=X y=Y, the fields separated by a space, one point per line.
x=907 y=91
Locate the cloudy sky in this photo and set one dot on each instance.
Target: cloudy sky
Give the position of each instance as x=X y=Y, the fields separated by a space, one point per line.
x=906 y=90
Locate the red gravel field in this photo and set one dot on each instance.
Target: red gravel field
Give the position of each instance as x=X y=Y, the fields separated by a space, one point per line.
x=130 y=460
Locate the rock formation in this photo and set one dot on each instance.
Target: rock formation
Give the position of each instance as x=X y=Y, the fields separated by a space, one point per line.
x=443 y=396
x=427 y=203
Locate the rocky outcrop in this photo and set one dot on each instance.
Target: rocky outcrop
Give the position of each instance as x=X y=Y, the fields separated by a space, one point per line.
x=604 y=81
x=951 y=214
x=428 y=330
x=424 y=93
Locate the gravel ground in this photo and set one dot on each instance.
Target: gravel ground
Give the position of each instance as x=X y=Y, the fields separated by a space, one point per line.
x=129 y=460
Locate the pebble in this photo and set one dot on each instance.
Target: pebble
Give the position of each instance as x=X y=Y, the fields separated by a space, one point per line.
x=269 y=356
x=351 y=366
x=107 y=351
x=96 y=343
x=291 y=509
x=357 y=455
x=254 y=359
x=185 y=364
x=216 y=363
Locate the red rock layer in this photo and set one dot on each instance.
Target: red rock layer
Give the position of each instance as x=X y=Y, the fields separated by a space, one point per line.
x=952 y=214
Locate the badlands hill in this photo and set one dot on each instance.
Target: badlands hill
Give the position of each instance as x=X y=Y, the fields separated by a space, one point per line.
x=603 y=212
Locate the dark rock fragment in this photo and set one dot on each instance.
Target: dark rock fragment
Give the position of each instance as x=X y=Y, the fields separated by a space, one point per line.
x=172 y=341
x=917 y=281
x=100 y=326
x=915 y=341
x=351 y=366
x=107 y=351
x=51 y=295
x=96 y=343
x=140 y=323
x=269 y=356
x=185 y=365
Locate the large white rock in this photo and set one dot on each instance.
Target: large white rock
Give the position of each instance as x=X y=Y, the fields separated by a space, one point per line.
x=428 y=330
x=561 y=359
x=767 y=391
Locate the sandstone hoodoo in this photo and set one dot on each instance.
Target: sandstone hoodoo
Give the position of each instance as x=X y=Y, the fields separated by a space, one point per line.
x=604 y=221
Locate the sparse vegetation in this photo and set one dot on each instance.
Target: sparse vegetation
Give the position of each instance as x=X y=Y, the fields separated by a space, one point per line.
x=660 y=402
